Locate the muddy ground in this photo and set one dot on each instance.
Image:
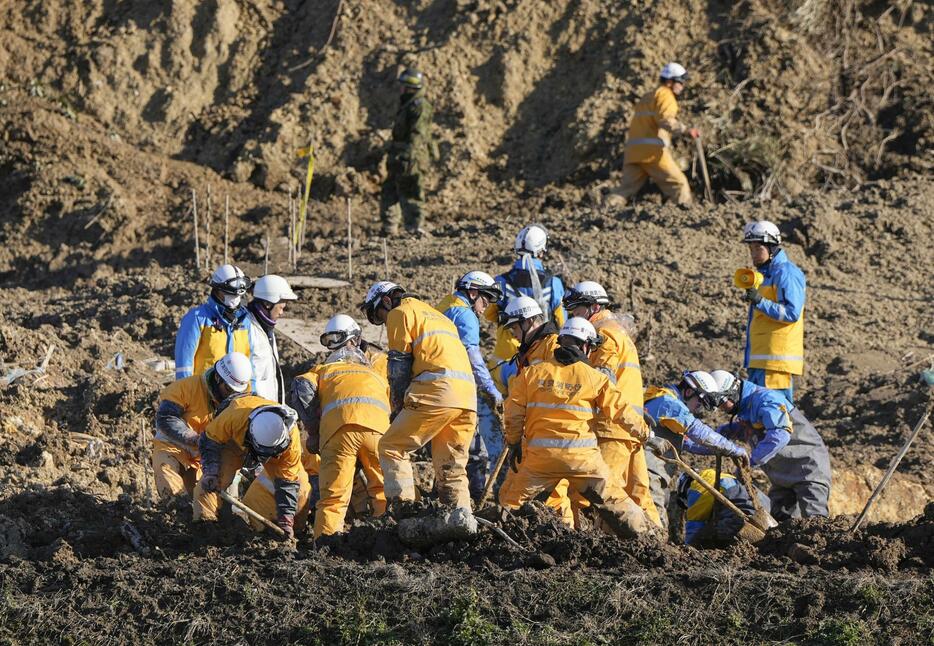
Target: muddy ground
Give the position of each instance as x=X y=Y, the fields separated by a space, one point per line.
x=815 y=115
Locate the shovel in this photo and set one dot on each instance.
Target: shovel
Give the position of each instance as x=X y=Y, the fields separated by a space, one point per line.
x=226 y=497
x=708 y=192
x=756 y=532
x=499 y=463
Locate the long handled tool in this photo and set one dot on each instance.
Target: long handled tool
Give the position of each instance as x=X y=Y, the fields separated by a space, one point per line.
x=499 y=463
x=714 y=491
x=708 y=192
x=226 y=497
x=891 y=470
x=745 y=475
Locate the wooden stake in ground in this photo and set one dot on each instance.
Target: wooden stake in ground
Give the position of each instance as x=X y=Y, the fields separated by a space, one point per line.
x=385 y=260
x=226 y=225
x=266 y=254
x=194 y=211
x=349 y=243
x=708 y=193
x=207 y=221
x=145 y=455
x=888 y=474
x=292 y=240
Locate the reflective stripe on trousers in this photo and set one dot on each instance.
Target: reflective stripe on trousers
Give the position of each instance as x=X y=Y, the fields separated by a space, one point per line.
x=651 y=141
x=441 y=374
x=353 y=400
x=556 y=443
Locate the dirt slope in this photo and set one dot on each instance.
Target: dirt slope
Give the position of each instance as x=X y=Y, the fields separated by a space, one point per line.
x=816 y=115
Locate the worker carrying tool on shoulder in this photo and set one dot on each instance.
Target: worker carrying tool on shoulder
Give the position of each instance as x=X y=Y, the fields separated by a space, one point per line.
x=344 y=405
x=616 y=356
x=550 y=411
x=408 y=157
x=185 y=408
x=433 y=396
x=249 y=431
x=785 y=445
x=775 y=325
x=648 y=143
x=707 y=521
x=473 y=293
x=673 y=408
x=270 y=295
x=529 y=278
x=219 y=326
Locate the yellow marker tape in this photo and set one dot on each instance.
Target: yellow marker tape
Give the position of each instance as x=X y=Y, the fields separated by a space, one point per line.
x=746 y=278
x=308 y=152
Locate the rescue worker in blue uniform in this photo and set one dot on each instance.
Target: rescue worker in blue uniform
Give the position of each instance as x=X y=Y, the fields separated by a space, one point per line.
x=671 y=408
x=473 y=293
x=775 y=325
x=216 y=328
x=706 y=520
x=784 y=445
x=528 y=277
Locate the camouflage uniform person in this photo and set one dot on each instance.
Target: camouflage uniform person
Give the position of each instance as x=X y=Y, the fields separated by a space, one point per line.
x=409 y=150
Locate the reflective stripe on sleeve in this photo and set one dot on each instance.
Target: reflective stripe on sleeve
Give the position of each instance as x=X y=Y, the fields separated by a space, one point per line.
x=579 y=409
x=353 y=400
x=634 y=366
x=555 y=443
x=329 y=375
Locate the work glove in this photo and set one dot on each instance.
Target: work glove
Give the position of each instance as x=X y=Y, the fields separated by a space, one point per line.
x=515 y=456
x=742 y=459
x=657 y=444
x=286 y=522
x=210 y=483
x=752 y=296
x=694 y=132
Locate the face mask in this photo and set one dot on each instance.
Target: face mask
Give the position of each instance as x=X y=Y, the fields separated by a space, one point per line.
x=231 y=301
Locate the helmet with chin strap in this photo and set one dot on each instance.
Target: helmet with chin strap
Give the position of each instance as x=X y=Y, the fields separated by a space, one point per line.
x=585 y=293
x=482 y=282
x=763 y=232
x=230 y=280
x=728 y=386
x=374 y=297
x=581 y=330
x=702 y=384
x=269 y=432
x=520 y=309
x=339 y=330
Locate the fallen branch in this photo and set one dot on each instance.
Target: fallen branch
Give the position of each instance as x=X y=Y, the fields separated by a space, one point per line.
x=499 y=532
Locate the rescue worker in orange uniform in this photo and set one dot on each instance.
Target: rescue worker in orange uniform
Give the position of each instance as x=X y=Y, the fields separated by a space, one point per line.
x=260 y=496
x=550 y=412
x=251 y=430
x=344 y=406
x=616 y=356
x=185 y=408
x=648 y=142
x=433 y=396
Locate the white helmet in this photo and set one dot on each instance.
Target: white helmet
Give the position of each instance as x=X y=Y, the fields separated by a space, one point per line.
x=762 y=231
x=674 y=72
x=235 y=370
x=272 y=288
x=374 y=295
x=520 y=309
x=532 y=239
x=340 y=329
x=482 y=282
x=269 y=433
x=585 y=293
x=230 y=280
x=703 y=384
x=727 y=386
x=580 y=329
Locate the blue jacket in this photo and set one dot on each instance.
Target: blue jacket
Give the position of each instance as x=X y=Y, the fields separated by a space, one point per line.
x=779 y=347
x=205 y=335
x=457 y=308
x=667 y=409
x=764 y=418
